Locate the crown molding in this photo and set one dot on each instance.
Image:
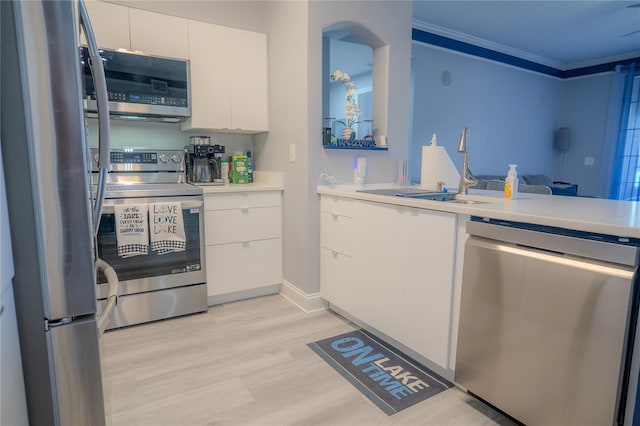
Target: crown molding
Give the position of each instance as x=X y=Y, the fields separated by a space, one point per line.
x=480 y=42
x=609 y=59
x=444 y=38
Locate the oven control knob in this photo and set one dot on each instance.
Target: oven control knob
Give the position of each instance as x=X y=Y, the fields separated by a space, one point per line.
x=96 y=158
x=163 y=158
x=176 y=158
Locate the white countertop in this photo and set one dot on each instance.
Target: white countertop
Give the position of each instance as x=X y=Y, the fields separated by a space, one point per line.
x=613 y=217
x=264 y=181
x=248 y=187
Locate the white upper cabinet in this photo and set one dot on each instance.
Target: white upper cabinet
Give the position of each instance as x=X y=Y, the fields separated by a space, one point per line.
x=119 y=27
x=210 y=90
x=157 y=34
x=248 y=81
x=228 y=79
x=110 y=24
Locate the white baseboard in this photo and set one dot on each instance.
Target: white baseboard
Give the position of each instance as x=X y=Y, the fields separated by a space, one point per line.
x=242 y=295
x=307 y=302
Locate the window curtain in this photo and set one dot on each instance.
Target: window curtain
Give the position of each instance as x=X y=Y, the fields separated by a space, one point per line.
x=616 y=130
x=611 y=133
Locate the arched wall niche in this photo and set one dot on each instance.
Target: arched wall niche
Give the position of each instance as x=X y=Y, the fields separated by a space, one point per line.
x=357 y=50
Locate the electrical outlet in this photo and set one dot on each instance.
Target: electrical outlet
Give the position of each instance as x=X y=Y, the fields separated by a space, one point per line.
x=292 y=153
x=589 y=161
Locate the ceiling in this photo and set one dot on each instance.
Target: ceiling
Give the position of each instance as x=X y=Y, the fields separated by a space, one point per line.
x=561 y=34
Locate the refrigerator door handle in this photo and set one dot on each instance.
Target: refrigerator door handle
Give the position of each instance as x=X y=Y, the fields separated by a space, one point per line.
x=102 y=101
x=104 y=317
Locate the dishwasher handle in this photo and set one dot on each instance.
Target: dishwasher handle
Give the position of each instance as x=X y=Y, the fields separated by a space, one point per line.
x=565 y=244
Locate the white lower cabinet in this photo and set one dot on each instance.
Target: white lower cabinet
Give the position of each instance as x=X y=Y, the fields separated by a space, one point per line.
x=243 y=239
x=243 y=266
x=392 y=268
x=336 y=251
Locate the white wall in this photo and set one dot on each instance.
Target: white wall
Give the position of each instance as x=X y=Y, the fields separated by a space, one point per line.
x=511 y=113
x=133 y=134
x=585 y=104
x=391 y=22
x=287 y=25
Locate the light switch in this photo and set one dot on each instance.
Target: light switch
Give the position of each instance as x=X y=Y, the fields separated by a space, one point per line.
x=589 y=161
x=292 y=153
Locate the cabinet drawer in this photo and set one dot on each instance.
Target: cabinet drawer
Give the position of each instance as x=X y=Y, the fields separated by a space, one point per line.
x=336 y=279
x=243 y=266
x=241 y=225
x=242 y=200
x=336 y=206
x=336 y=233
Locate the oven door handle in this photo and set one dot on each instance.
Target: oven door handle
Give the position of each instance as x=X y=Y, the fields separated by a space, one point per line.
x=195 y=204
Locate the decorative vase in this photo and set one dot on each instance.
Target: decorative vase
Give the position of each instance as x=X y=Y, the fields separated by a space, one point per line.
x=346 y=133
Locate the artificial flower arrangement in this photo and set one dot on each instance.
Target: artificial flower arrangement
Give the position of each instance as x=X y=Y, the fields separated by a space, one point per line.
x=351 y=108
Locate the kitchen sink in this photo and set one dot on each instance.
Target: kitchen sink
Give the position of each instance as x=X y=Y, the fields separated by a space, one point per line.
x=420 y=194
x=467 y=201
x=415 y=193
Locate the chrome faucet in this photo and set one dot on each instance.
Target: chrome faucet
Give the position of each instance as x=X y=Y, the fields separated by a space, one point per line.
x=466 y=177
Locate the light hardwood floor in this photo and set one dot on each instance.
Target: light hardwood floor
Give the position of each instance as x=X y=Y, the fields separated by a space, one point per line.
x=247 y=363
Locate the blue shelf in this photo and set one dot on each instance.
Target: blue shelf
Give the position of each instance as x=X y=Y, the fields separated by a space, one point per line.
x=360 y=148
x=356 y=144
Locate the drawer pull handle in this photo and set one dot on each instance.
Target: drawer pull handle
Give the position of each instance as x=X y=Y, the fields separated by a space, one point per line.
x=245 y=243
x=335 y=216
x=245 y=210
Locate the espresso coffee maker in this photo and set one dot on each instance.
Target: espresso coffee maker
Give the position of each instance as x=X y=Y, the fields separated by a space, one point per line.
x=204 y=164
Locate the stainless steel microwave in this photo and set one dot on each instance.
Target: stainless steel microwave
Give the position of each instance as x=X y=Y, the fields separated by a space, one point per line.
x=140 y=86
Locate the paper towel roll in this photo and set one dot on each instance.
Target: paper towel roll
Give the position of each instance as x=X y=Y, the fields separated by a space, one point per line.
x=438 y=167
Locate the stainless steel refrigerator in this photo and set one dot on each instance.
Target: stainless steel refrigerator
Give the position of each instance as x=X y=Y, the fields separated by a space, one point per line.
x=50 y=212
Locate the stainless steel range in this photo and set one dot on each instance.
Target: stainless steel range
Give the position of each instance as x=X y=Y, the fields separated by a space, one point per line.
x=154 y=285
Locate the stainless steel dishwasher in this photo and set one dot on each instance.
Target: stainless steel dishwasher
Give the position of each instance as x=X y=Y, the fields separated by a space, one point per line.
x=544 y=322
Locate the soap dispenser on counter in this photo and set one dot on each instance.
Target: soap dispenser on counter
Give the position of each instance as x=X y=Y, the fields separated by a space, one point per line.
x=511 y=183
